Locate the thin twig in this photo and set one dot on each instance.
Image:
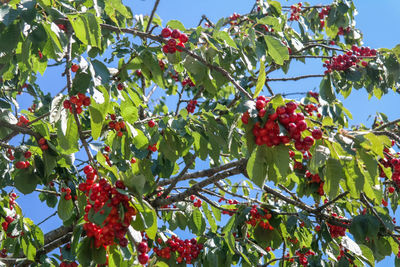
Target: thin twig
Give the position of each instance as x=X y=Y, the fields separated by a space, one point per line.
x=152 y=15
x=47 y=218
x=390 y=123
x=342 y=195
x=295 y=78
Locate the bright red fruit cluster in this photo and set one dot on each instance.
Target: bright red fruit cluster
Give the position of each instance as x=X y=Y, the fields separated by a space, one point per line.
x=348 y=60
x=196 y=201
x=314 y=178
x=118 y=126
x=260 y=217
x=67 y=192
x=187 y=81
x=7 y=221
x=295 y=11
x=22 y=165
x=270 y=133
x=22 y=121
x=102 y=196
x=303 y=257
x=188 y=250
x=191 y=106
x=324 y=12
x=172 y=45
x=389 y=161
x=43 y=144
x=335 y=230
x=79 y=100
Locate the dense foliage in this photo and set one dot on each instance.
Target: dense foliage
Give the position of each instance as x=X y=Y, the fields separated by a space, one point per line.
x=159 y=129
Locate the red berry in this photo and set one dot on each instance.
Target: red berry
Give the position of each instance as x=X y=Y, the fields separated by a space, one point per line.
x=260 y=104
x=142 y=247
x=364 y=63
x=391 y=190
x=120 y=134
x=384 y=203
x=107 y=148
x=317 y=134
x=67 y=104
x=176 y=34
x=183 y=38
x=120 y=86
x=74 y=68
x=44 y=147
x=86 y=101
x=120 y=184
x=166 y=32
x=42 y=141
x=171 y=42
x=151 y=123
x=27 y=154
x=87 y=169
x=67 y=197
x=143 y=258
x=133 y=160
x=123 y=242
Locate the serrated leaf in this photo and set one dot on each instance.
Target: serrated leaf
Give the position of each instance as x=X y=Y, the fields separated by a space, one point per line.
x=176 y=24
x=257 y=168
x=86 y=28
x=224 y=36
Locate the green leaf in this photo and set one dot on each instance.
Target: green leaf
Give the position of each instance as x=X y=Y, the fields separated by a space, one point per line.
x=224 y=36
x=363 y=226
x=326 y=89
x=84 y=252
x=198 y=219
x=99 y=255
x=176 y=24
x=367 y=255
x=333 y=174
x=86 y=28
x=68 y=138
x=320 y=156
x=257 y=167
x=65 y=208
x=25 y=181
x=151 y=62
x=99 y=72
x=210 y=218
x=28 y=248
x=260 y=80
x=276 y=49
x=96 y=122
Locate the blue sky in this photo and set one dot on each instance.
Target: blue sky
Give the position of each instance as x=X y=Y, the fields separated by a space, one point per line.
x=378 y=22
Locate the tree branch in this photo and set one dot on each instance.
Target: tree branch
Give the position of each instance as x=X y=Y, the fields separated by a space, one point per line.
x=390 y=123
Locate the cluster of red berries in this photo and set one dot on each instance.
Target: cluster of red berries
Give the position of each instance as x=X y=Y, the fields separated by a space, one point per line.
x=101 y=195
x=389 y=161
x=22 y=121
x=342 y=254
x=324 y=12
x=335 y=230
x=270 y=135
x=9 y=154
x=152 y=148
x=302 y=257
x=348 y=60
x=172 y=46
x=343 y=31
x=11 y=202
x=187 y=81
x=143 y=248
x=265 y=27
x=314 y=178
x=233 y=19
x=118 y=126
x=74 y=67
x=78 y=101
x=191 y=106
x=295 y=11
x=260 y=217
x=3 y=253
x=67 y=192
x=188 y=250
x=196 y=201
x=7 y=222
x=32 y=108
x=43 y=144
x=22 y=165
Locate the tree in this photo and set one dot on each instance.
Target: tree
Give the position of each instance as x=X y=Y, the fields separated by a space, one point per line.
x=164 y=128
